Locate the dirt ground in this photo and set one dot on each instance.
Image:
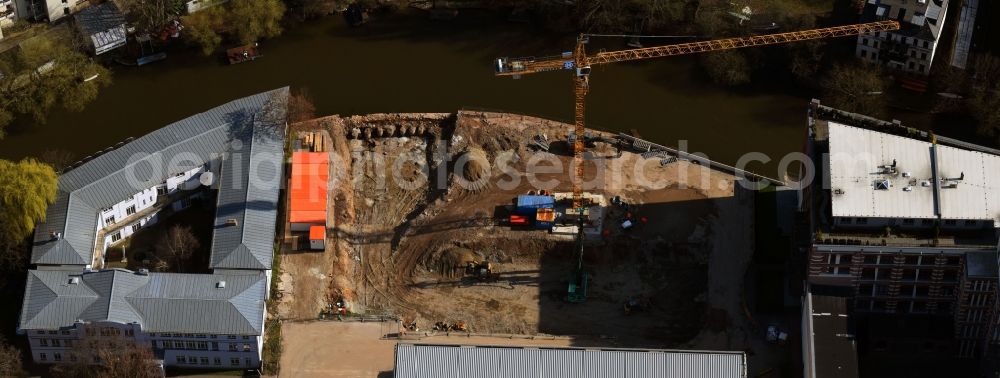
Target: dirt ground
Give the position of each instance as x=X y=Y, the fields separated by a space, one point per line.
x=354 y=349
x=393 y=250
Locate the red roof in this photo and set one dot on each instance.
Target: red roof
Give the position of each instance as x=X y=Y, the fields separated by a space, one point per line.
x=309 y=187
x=310 y=157
x=307 y=216
x=317 y=233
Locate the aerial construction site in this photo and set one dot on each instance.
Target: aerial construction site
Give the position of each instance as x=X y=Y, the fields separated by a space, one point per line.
x=405 y=250
x=501 y=223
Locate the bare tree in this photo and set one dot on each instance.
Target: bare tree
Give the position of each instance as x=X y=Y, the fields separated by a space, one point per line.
x=177 y=245
x=10 y=361
x=109 y=355
x=856 y=88
x=984 y=101
x=300 y=106
x=150 y=16
x=58 y=159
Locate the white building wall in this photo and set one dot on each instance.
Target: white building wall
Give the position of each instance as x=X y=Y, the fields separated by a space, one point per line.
x=57 y=9
x=141 y=201
x=208 y=351
x=8 y=13
x=184 y=180
x=178 y=349
x=919 y=53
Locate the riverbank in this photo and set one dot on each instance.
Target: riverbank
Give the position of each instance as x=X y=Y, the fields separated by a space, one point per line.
x=407 y=64
x=403 y=62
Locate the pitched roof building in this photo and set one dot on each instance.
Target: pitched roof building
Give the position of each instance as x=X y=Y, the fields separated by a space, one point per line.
x=913 y=46
x=67 y=294
x=470 y=361
x=104 y=25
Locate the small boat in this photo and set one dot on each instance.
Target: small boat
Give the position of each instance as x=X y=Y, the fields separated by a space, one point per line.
x=237 y=55
x=144 y=60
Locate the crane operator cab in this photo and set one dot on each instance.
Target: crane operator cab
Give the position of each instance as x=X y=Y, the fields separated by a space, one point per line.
x=506 y=65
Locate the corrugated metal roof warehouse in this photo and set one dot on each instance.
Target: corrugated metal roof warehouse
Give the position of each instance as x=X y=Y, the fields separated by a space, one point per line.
x=464 y=361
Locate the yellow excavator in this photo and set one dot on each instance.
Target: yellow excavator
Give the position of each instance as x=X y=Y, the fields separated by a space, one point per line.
x=481 y=270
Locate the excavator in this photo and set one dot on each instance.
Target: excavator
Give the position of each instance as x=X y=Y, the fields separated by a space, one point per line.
x=580 y=64
x=481 y=270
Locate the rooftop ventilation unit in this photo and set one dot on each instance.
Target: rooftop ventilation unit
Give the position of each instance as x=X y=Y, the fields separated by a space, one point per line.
x=220 y=285
x=882 y=185
x=907 y=174
x=232 y=222
x=908 y=189
x=838 y=191
x=143 y=272
x=74 y=280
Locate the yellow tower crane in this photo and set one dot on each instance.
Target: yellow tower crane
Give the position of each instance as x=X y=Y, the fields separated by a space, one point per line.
x=578 y=61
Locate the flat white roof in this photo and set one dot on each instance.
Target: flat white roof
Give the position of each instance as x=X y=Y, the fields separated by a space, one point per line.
x=855 y=157
x=977 y=194
x=859 y=167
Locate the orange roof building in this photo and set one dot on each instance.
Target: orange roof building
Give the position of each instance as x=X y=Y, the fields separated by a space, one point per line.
x=308 y=190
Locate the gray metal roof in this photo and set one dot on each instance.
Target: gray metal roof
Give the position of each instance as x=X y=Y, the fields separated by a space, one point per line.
x=248 y=194
x=159 y=302
x=98 y=18
x=151 y=159
x=420 y=360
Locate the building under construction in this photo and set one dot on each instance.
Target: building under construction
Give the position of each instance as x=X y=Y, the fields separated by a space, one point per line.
x=904 y=225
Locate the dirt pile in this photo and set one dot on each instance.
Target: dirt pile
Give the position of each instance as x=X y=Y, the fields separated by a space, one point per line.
x=450 y=262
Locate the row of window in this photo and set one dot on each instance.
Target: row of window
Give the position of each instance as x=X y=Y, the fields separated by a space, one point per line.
x=201 y=345
x=891 y=259
x=911 y=221
x=916 y=307
x=895 y=37
x=55 y=343
x=217 y=361
x=194 y=336
x=57 y=357
x=109 y=331
x=118 y=235
x=64 y=332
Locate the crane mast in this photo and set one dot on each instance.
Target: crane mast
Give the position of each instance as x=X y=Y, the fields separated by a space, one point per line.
x=578 y=61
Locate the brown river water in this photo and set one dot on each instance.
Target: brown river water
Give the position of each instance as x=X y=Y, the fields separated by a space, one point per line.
x=406 y=63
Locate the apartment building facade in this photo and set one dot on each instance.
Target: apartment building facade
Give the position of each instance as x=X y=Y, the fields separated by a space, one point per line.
x=911 y=48
x=905 y=225
x=213 y=320
x=186 y=319
x=49 y=10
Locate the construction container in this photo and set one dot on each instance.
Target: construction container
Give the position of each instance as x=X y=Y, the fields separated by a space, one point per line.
x=529 y=204
x=545 y=218
x=518 y=220
x=308 y=190
x=317 y=238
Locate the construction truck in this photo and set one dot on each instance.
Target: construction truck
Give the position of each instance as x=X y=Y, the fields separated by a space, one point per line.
x=481 y=270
